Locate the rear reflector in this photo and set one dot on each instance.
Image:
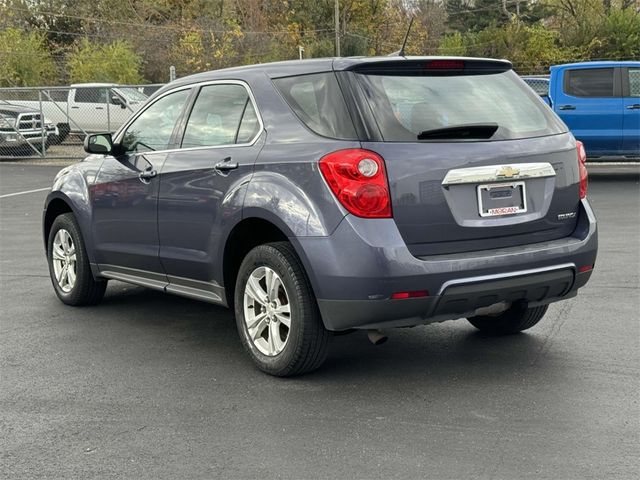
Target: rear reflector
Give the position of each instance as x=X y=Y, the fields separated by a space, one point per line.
x=585 y=268
x=414 y=294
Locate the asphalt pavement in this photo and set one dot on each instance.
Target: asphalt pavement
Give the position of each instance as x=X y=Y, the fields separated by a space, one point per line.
x=148 y=385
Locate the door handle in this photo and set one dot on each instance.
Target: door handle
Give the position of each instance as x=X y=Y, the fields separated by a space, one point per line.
x=75 y=107
x=99 y=108
x=226 y=165
x=147 y=175
x=635 y=106
x=566 y=107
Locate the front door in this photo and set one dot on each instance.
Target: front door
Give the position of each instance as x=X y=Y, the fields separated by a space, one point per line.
x=125 y=193
x=201 y=186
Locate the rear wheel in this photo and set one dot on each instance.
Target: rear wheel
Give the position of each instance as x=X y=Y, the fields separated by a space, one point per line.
x=69 y=267
x=514 y=320
x=276 y=312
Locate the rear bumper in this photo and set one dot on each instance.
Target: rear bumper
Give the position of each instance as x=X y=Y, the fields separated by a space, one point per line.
x=355 y=271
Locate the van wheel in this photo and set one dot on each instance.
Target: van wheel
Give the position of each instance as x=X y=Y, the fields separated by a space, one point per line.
x=514 y=320
x=276 y=312
x=69 y=267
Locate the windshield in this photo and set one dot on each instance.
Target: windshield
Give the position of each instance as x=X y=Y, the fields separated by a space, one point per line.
x=132 y=94
x=405 y=106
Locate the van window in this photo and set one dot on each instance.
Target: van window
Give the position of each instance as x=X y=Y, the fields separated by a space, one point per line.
x=589 y=82
x=634 y=82
x=91 y=95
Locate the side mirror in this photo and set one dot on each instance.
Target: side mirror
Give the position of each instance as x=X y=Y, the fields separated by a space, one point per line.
x=100 y=143
x=116 y=100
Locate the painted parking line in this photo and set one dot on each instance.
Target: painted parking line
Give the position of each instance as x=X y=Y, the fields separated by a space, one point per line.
x=25 y=192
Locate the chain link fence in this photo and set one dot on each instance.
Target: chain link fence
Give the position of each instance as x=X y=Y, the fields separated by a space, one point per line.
x=52 y=122
x=539 y=83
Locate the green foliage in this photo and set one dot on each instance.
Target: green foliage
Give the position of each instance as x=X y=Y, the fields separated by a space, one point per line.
x=116 y=41
x=453 y=44
x=24 y=59
x=531 y=48
x=115 y=62
x=620 y=34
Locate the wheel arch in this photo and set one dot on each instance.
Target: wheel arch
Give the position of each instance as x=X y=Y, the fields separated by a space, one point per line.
x=57 y=204
x=248 y=234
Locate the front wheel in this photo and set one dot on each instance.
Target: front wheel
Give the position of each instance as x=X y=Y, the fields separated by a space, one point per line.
x=514 y=320
x=276 y=312
x=69 y=266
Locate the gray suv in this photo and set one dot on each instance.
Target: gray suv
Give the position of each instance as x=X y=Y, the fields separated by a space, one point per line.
x=329 y=195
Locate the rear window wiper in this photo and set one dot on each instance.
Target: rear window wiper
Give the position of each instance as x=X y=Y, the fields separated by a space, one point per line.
x=472 y=130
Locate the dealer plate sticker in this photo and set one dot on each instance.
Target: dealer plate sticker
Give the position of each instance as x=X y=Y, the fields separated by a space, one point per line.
x=498 y=199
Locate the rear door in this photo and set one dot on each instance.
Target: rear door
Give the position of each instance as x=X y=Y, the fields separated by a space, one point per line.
x=631 y=103
x=509 y=178
x=201 y=185
x=590 y=103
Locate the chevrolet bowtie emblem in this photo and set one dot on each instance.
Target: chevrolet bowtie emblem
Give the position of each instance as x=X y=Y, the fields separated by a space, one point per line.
x=507 y=172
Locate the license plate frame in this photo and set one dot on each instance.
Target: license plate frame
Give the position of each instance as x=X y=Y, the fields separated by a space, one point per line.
x=502 y=211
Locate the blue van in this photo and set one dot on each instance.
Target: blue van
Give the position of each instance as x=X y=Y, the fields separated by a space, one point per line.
x=600 y=103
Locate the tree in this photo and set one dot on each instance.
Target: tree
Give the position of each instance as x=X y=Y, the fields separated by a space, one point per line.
x=115 y=62
x=24 y=59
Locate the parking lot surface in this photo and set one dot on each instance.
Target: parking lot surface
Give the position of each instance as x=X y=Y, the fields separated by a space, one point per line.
x=148 y=385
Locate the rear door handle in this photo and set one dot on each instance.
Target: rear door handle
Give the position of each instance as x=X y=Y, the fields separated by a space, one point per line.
x=566 y=107
x=635 y=106
x=226 y=165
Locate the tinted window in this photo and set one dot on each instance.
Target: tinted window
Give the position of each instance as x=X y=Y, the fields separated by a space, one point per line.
x=215 y=118
x=634 y=82
x=406 y=105
x=91 y=95
x=318 y=102
x=249 y=126
x=592 y=82
x=152 y=130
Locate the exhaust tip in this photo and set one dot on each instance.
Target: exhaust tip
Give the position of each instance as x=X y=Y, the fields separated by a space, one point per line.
x=376 y=337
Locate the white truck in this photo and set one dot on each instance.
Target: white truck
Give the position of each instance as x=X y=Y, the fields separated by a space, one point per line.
x=80 y=108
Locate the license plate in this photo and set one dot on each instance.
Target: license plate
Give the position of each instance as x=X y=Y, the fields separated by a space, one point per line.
x=497 y=199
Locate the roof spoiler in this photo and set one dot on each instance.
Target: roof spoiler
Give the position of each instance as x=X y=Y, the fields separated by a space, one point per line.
x=432 y=66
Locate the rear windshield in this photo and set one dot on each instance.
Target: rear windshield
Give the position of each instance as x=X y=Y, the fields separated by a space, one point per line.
x=405 y=106
x=318 y=102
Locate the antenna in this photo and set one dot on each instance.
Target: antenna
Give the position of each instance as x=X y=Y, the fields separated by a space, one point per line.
x=400 y=53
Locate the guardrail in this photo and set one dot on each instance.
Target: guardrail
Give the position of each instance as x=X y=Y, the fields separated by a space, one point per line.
x=52 y=122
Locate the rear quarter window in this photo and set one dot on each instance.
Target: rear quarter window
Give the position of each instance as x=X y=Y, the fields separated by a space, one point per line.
x=318 y=102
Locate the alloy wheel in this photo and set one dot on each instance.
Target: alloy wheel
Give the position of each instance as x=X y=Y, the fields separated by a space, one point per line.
x=267 y=311
x=64 y=260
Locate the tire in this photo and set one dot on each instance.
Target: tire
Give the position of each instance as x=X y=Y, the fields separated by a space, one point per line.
x=274 y=347
x=65 y=246
x=63 y=132
x=514 y=320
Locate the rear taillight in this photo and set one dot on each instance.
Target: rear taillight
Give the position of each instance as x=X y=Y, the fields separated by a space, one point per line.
x=582 y=168
x=359 y=181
